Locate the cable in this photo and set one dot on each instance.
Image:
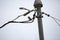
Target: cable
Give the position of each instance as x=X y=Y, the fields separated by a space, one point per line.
x=28 y=12
x=17 y=17
x=24 y=8
x=28 y=21
x=23 y=14
x=15 y=22
x=5 y=24
x=55 y=19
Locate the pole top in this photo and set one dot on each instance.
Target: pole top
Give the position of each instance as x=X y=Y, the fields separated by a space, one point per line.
x=38 y=3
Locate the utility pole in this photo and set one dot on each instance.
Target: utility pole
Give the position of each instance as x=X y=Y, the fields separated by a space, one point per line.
x=38 y=4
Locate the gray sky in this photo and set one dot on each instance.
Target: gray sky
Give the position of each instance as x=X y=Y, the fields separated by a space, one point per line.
x=9 y=9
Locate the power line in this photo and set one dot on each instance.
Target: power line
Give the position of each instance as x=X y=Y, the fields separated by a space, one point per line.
x=30 y=20
x=55 y=19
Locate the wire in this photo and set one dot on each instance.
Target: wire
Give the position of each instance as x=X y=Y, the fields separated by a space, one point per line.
x=55 y=19
x=5 y=24
x=17 y=17
x=28 y=21
x=24 y=8
x=28 y=12
x=16 y=22
x=23 y=14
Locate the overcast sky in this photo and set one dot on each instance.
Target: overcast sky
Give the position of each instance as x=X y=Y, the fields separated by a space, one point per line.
x=9 y=9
